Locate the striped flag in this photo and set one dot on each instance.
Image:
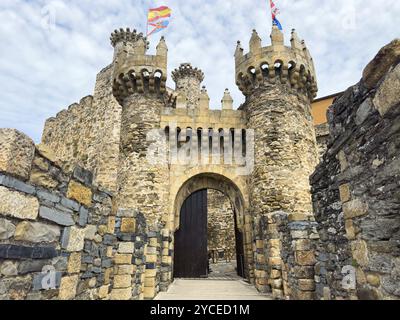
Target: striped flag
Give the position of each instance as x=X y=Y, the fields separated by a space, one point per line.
x=275 y=11
x=158 y=18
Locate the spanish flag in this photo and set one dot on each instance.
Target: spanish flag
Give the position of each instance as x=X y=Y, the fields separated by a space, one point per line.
x=159 y=13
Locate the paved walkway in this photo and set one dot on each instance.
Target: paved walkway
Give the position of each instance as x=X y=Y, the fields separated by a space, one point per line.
x=182 y=289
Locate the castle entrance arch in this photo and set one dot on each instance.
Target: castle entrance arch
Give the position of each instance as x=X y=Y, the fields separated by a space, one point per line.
x=190 y=238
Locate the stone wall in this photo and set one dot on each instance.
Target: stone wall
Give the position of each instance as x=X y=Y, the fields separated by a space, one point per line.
x=221 y=224
x=61 y=235
x=356 y=189
x=285 y=255
x=77 y=135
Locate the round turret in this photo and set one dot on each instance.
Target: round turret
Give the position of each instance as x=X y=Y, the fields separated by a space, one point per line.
x=188 y=83
x=276 y=63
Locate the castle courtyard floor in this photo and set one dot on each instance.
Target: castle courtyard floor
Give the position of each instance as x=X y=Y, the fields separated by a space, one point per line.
x=209 y=289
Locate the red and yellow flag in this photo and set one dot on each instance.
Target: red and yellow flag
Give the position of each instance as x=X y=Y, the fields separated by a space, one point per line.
x=159 y=13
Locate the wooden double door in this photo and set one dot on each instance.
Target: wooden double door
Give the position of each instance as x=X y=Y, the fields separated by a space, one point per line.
x=190 y=252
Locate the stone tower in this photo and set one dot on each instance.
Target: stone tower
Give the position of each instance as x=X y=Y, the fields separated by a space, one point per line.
x=139 y=85
x=188 y=81
x=279 y=84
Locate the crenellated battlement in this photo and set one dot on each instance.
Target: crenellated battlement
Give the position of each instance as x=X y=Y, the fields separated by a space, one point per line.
x=186 y=70
x=276 y=63
x=134 y=70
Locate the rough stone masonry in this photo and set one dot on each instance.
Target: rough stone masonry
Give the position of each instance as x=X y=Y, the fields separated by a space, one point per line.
x=86 y=215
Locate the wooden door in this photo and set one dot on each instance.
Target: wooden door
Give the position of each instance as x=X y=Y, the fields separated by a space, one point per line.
x=190 y=254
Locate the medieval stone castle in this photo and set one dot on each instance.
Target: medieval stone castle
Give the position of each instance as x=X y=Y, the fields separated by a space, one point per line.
x=87 y=215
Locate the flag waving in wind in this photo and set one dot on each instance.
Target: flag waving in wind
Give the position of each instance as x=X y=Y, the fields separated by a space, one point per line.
x=158 y=18
x=275 y=11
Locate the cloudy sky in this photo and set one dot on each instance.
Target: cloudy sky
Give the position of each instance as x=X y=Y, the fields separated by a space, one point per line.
x=51 y=51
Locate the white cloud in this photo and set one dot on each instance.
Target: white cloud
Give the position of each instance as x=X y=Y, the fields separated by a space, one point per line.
x=43 y=70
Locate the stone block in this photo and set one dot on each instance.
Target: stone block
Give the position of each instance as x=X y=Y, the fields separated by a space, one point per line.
x=387 y=95
x=17 y=185
x=305 y=258
x=128 y=225
x=344 y=190
x=123 y=258
x=83 y=216
x=150 y=282
x=73 y=239
x=303 y=245
x=70 y=204
x=90 y=232
x=359 y=251
x=68 y=287
x=122 y=281
x=125 y=269
x=306 y=284
x=7 y=229
x=8 y=268
x=126 y=247
x=41 y=163
x=74 y=262
x=103 y=291
x=16 y=153
x=111 y=225
x=150 y=273
x=83 y=176
x=121 y=294
x=373 y=280
x=10 y=251
x=153 y=258
x=387 y=57
x=36 y=232
x=355 y=208
x=18 y=205
x=350 y=230
x=56 y=216
x=47 y=153
x=149 y=292
x=43 y=179
x=80 y=193
x=107 y=275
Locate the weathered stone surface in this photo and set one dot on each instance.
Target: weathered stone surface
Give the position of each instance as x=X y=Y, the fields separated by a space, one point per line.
x=9 y=251
x=121 y=294
x=305 y=258
x=16 y=153
x=37 y=232
x=122 y=281
x=47 y=153
x=126 y=247
x=128 y=225
x=68 y=287
x=359 y=250
x=18 y=205
x=387 y=95
x=74 y=262
x=344 y=190
x=83 y=176
x=73 y=239
x=7 y=229
x=123 y=258
x=354 y=208
x=387 y=57
x=79 y=193
x=59 y=217
x=42 y=179
x=8 y=268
